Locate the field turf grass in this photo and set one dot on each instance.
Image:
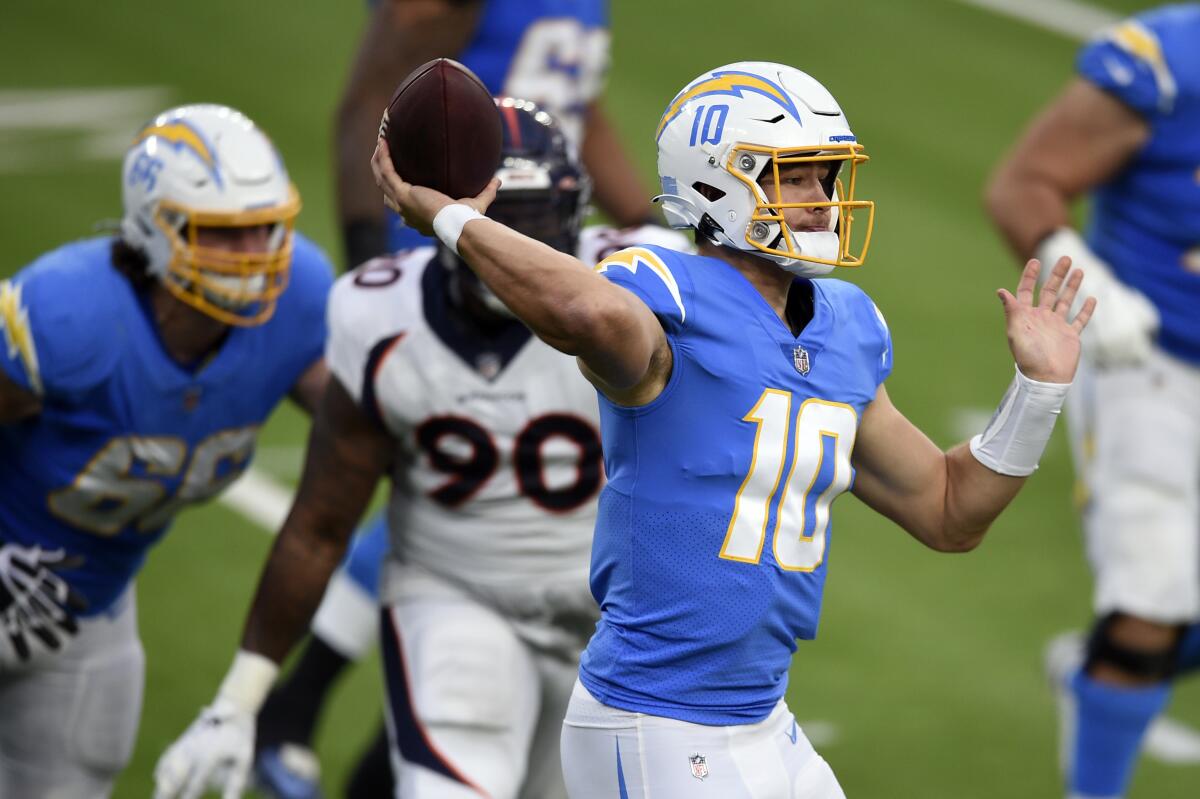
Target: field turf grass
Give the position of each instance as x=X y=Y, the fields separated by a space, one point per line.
x=927 y=665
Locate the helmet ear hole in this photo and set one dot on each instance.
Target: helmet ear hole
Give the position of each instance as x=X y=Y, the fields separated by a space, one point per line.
x=710 y=193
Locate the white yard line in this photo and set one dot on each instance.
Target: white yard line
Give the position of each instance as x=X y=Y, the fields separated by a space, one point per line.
x=1069 y=17
x=105 y=118
x=260 y=498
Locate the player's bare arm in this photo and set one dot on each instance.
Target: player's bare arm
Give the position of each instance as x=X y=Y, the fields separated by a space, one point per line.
x=947 y=500
x=310 y=388
x=617 y=188
x=400 y=36
x=347 y=454
x=1083 y=138
x=620 y=343
x=16 y=403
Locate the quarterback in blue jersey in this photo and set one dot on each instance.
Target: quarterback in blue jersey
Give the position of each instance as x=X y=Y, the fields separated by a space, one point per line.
x=551 y=52
x=1125 y=132
x=739 y=397
x=137 y=371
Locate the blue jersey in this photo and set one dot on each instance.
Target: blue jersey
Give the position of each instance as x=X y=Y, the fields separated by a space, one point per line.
x=1146 y=222
x=553 y=52
x=712 y=538
x=126 y=436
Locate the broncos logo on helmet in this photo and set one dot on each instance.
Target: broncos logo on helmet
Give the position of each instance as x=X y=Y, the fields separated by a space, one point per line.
x=543 y=192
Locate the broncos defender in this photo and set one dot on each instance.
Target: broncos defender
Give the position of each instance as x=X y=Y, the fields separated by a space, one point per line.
x=137 y=371
x=738 y=397
x=1124 y=130
x=493 y=445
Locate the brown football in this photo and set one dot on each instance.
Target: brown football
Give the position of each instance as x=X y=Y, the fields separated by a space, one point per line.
x=443 y=129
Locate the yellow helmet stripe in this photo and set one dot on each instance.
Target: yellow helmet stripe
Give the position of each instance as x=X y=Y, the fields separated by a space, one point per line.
x=731 y=83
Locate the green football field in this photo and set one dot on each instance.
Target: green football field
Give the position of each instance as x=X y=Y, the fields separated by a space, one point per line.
x=926 y=678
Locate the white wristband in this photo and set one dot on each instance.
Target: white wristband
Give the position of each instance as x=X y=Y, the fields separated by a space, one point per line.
x=449 y=222
x=1015 y=438
x=248 y=680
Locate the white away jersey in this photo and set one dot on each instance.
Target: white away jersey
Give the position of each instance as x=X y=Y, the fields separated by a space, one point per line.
x=498 y=460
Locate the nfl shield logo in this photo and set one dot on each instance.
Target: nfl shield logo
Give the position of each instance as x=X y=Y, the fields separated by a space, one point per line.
x=699 y=766
x=800 y=360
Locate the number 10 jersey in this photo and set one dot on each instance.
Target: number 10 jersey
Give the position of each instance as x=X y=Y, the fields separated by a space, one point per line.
x=712 y=539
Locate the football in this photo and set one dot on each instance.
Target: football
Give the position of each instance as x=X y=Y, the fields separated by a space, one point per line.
x=443 y=129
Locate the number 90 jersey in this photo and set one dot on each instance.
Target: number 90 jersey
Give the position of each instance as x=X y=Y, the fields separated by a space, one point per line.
x=498 y=447
x=712 y=538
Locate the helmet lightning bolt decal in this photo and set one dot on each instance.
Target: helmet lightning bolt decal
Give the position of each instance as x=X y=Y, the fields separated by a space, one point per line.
x=632 y=257
x=731 y=83
x=181 y=135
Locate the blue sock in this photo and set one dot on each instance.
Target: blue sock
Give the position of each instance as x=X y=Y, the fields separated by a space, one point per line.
x=1189 y=649
x=1109 y=724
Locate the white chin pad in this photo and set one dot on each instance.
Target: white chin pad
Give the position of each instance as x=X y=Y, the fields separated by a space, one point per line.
x=821 y=244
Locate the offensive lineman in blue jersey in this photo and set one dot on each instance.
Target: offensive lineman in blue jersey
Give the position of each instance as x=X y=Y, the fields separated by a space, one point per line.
x=1126 y=130
x=738 y=398
x=136 y=373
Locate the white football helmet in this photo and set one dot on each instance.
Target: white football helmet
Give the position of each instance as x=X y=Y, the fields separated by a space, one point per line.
x=208 y=166
x=729 y=125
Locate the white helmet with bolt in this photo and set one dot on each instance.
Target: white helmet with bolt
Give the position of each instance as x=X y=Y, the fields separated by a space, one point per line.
x=208 y=166
x=725 y=128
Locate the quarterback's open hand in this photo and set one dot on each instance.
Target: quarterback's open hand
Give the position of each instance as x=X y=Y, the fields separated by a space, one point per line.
x=214 y=753
x=35 y=602
x=1043 y=339
x=418 y=205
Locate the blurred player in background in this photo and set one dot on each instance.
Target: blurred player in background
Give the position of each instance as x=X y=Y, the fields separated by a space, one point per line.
x=492 y=441
x=738 y=398
x=136 y=373
x=1127 y=131
x=552 y=52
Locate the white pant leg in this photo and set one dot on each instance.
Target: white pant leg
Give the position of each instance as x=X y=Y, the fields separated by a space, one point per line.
x=608 y=752
x=347 y=618
x=545 y=776
x=463 y=693
x=68 y=722
x=1142 y=467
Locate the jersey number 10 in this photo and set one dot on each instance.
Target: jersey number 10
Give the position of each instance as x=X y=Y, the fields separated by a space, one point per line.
x=820 y=470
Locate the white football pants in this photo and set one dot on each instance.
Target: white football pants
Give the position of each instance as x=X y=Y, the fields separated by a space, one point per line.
x=473 y=710
x=68 y=720
x=1136 y=440
x=609 y=753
